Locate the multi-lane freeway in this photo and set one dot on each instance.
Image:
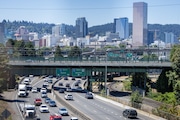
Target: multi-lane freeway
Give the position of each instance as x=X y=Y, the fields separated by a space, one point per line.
x=96 y=109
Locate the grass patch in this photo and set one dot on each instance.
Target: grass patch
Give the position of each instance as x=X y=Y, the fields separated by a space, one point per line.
x=3 y=106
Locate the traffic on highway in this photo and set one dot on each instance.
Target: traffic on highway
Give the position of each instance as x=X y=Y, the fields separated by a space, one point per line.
x=55 y=98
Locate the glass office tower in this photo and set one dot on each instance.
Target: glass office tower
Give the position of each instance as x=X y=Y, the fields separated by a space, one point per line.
x=121 y=26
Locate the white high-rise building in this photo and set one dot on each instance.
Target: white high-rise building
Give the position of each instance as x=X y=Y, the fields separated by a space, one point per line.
x=59 y=30
x=139 y=24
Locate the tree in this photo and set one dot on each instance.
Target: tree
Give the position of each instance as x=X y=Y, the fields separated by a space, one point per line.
x=163 y=82
x=136 y=99
x=139 y=79
x=58 y=52
x=29 y=49
x=4 y=68
x=75 y=52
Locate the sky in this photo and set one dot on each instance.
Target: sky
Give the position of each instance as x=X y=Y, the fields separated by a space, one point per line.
x=96 y=12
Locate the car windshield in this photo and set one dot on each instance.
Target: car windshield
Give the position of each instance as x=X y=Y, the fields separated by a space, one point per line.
x=63 y=109
x=52 y=101
x=57 y=119
x=43 y=106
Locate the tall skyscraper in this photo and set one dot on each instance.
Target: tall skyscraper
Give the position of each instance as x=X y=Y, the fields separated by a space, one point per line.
x=81 y=27
x=121 y=26
x=139 y=24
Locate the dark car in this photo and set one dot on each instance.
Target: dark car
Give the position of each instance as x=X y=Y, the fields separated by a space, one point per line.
x=67 y=85
x=61 y=90
x=50 y=81
x=73 y=78
x=65 y=78
x=60 y=84
x=130 y=113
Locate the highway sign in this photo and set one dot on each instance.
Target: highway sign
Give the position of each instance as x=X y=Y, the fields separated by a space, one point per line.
x=78 y=72
x=6 y=113
x=62 y=72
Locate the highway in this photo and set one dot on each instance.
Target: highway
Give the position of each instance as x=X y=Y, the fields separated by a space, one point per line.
x=30 y=99
x=95 y=109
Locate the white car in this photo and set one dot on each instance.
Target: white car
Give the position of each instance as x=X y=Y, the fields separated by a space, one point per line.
x=63 y=111
x=34 y=90
x=43 y=108
x=68 y=97
x=46 y=83
x=43 y=94
x=74 y=118
x=43 y=90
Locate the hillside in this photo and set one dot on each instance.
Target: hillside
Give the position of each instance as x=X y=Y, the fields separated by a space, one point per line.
x=100 y=29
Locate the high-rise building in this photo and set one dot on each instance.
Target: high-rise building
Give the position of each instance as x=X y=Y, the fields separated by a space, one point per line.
x=59 y=30
x=169 y=38
x=22 y=33
x=2 y=33
x=150 y=37
x=139 y=24
x=81 y=27
x=121 y=26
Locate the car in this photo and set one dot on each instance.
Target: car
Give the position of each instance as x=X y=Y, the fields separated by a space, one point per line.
x=79 y=81
x=43 y=108
x=63 y=111
x=73 y=78
x=55 y=117
x=74 y=118
x=50 y=76
x=68 y=89
x=50 y=81
x=61 y=90
x=45 y=79
x=65 y=78
x=60 y=84
x=83 y=78
x=52 y=103
x=43 y=94
x=68 y=96
x=76 y=84
x=37 y=101
x=34 y=90
x=43 y=90
x=47 y=100
x=46 y=84
x=130 y=113
x=89 y=95
x=67 y=85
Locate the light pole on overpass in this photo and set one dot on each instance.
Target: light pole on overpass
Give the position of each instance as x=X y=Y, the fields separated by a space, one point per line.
x=106 y=72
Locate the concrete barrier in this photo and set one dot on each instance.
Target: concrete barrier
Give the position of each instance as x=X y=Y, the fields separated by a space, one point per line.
x=71 y=108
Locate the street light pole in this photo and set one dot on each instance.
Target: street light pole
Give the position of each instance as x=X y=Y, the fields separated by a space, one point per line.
x=106 y=76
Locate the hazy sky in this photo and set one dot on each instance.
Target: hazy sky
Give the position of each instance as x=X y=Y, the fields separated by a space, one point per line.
x=97 y=12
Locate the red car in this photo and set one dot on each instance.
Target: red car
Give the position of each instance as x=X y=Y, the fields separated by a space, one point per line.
x=55 y=117
x=37 y=101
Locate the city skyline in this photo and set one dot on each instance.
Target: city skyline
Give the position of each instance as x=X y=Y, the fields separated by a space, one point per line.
x=96 y=12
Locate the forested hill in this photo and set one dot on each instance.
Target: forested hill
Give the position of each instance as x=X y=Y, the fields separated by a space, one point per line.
x=99 y=29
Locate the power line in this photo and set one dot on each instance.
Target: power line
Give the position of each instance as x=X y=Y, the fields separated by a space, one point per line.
x=163 y=5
